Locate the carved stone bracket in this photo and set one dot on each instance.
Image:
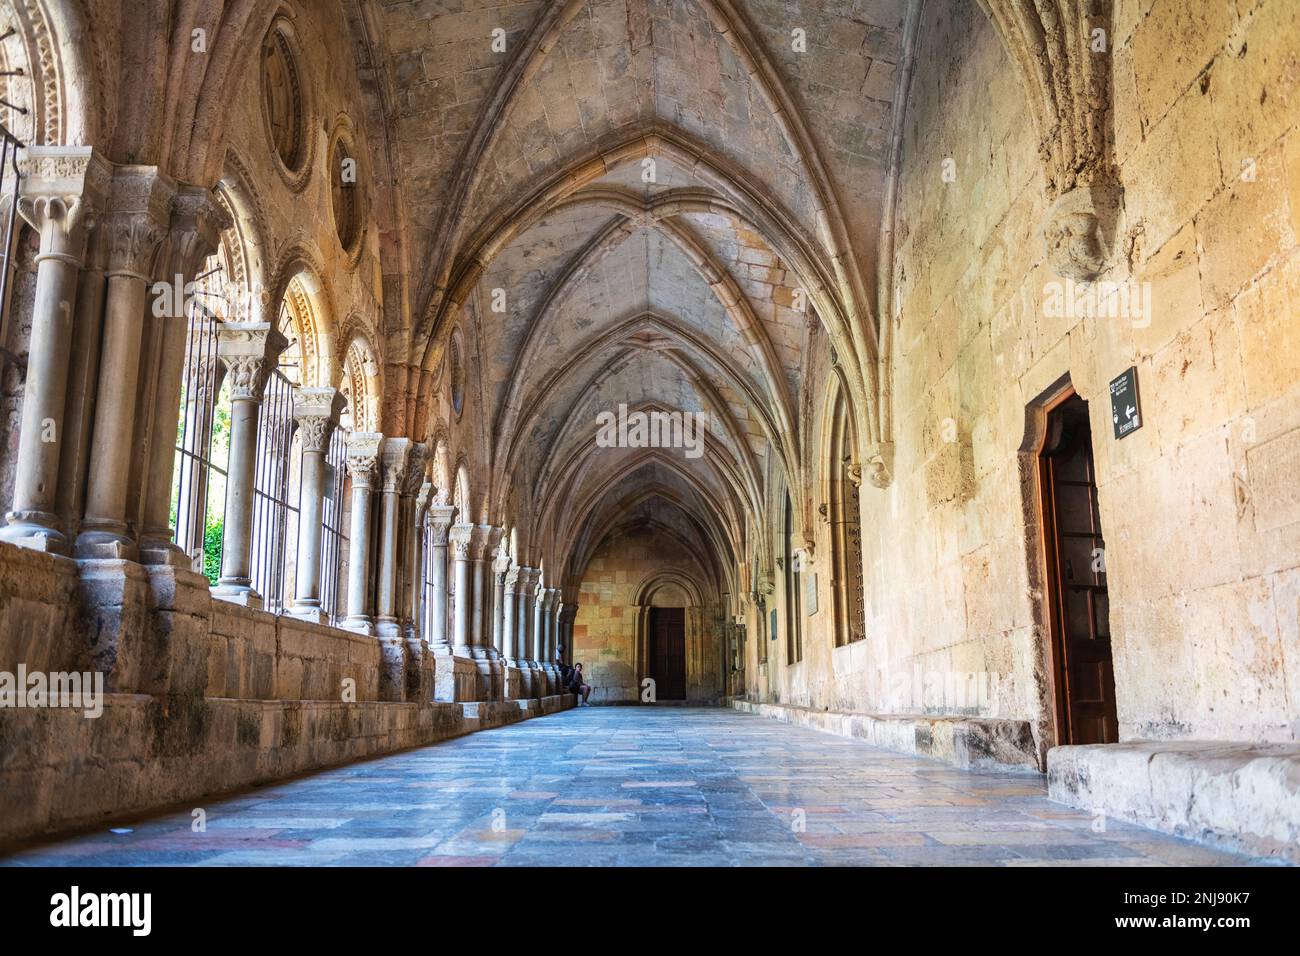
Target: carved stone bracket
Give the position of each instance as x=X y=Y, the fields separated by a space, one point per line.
x=880 y=464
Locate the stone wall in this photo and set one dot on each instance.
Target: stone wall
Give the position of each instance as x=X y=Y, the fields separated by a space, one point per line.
x=628 y=573
x=1199 y=507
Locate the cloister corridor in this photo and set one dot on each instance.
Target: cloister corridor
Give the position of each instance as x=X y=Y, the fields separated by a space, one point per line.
x=636 y=786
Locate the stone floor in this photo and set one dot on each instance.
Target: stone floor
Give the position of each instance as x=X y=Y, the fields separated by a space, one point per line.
x=633 y=787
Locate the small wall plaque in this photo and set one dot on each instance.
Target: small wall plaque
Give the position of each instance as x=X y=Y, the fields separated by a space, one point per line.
x=1125 y=407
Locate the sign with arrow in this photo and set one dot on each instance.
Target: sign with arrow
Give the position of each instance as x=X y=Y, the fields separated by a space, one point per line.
x=1125 y=408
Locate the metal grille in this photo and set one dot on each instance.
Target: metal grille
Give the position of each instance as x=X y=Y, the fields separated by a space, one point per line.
x=275 y=516
x=335 y=543
x=430 y=555
x=8 y=225
x=198 y=478
x=198 y=531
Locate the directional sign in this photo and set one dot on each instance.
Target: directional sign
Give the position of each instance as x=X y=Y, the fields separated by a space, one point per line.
x=1125 y=408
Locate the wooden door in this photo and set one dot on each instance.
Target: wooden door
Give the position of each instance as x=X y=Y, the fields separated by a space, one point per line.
x=1080 y=613
x=668 y=652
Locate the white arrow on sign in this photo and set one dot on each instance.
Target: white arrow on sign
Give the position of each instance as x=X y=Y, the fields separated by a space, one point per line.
x=1130 y=412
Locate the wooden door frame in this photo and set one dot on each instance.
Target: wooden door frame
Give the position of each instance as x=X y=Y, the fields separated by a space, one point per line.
x=1050 y=723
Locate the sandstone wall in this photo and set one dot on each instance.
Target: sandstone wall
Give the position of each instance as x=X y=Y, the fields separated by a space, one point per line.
x=1199 y=507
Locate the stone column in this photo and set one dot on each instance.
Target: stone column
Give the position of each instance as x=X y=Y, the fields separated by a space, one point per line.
x=137 y=221
x=488 y=601
x=541 y=597
x=196 y=222
x=436 y=614
x=528 y=627
x=501 y=646
x=62 y=190
x=461 y=537
x=317 y=412
x=250 y=351
x=394 y=454
x=553 y=638
x=363 y=466
x=515 y=674
x=409 y=572
x=419 y=562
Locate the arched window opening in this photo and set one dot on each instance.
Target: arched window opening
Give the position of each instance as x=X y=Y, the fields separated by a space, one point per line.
x=845 y=516
x=793 y=597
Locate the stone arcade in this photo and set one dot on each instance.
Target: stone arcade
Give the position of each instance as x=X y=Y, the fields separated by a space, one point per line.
x=314 y=315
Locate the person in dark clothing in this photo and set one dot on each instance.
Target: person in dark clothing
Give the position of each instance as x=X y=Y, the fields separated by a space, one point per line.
x=578 y=685
x=566 y=671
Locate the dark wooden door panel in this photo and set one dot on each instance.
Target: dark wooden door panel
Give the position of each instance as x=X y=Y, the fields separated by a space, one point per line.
x=1080 y=609
x=668 y=652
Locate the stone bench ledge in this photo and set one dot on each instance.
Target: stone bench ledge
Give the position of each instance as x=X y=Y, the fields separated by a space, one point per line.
x=1237 y=796
x=973 y=743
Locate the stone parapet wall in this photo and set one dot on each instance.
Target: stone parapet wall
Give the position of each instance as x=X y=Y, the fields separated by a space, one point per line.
x=60 y=770
x=203 y=696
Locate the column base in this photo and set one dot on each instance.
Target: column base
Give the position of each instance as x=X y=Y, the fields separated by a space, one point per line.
x=455 y=678
x=241 y=594
x=538 y=687
x=106 y=543
x=392 y=668
x=310 y=613
x=35 y=530
x=162 y=551
x=515 y=681
x=359 y=625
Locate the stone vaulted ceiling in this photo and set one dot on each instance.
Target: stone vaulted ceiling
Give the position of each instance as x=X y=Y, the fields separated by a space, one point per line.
x=642 y=202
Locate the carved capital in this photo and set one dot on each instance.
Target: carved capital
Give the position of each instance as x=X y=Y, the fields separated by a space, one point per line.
x=460 y=539
x=137 y=221
x=416 y=464
x=478 y=545
x=514 y=580
x=395 y=454
x=196 y=226
x=317 y=411
x=363 y=458
x=249 y=351
x=63 y=194
x=439 y=521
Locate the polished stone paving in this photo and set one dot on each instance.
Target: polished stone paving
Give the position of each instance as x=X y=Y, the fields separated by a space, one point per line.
x=625 y=786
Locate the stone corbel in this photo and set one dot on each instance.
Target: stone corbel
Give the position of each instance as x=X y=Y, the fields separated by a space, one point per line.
x=880 y=465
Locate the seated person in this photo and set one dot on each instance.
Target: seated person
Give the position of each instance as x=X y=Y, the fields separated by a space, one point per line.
x=578 y=685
